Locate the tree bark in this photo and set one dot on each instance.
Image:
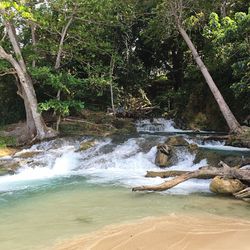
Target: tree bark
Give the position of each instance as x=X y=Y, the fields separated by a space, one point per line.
x=112 y=65
x=30 y=100
x=33 y=36
x=223 y=9
x=241 y=174
x=58 y=63
x=233 y=124
x=174 y=173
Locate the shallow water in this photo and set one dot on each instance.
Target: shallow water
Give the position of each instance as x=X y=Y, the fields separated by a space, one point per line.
x=60 y=193
x=36 y=219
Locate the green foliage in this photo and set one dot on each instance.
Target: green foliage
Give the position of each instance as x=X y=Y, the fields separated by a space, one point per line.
x=6 y=141
x=229 y=36
x=61 y=107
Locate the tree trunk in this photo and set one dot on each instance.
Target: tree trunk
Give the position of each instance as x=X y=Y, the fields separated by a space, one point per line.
x=241 y=174
x=34 y=117
x=233 y=124
x=223 y=9
x=33 y=36
x=174 y=173
x=112 y=65
x=58 y=63
x=29 y=95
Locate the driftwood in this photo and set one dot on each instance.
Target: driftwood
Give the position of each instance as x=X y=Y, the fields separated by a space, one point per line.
x=243 y=194
x=225 y=171
x=173 y=173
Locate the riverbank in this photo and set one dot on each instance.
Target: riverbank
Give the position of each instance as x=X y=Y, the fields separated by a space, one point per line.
x=169 y=232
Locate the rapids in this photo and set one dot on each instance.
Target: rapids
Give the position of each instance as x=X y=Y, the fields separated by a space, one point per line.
x=60 y=192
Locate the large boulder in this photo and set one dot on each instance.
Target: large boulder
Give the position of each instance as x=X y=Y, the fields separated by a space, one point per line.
x=163 y=155
x=221 y=185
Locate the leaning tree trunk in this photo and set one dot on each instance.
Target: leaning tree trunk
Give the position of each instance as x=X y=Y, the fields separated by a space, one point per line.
x=34 y=118
x=30 y=100
x=233 y=124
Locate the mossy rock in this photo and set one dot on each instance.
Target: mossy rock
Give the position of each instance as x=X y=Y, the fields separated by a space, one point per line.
x=8 y=167
x=86 y=145
x=176 y=141
x=212 y=157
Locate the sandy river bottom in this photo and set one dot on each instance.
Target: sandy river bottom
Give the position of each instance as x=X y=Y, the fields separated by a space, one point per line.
x=174 y=231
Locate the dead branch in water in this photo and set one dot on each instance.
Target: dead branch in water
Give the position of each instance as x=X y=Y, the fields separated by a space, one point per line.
x=225 y=171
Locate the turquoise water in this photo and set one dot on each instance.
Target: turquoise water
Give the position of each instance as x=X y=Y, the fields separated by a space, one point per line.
x=40 y=217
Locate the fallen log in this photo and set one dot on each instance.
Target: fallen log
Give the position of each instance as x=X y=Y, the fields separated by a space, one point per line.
x=225 y=171
x=173 y=173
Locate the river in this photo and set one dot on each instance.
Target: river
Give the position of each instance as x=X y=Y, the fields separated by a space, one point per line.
x=59 y=193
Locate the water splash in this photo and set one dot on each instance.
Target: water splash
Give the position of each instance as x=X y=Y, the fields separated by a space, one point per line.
x=158 y=125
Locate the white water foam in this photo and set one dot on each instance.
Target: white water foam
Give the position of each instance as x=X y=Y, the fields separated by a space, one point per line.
x=123 y=165
x=126 y=166
x=217 y=145
x=158 y=125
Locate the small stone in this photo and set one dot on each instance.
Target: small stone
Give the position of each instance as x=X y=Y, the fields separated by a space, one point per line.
x=86 y=145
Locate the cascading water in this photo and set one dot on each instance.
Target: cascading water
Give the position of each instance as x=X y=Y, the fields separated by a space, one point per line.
x=157 y=125
x=123 y=164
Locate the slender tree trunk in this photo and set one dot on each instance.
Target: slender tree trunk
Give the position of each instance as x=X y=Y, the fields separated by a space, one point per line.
x=233 y=124
x=58 y=63
x=112 y=65
x=33 y=36
x=223 y=10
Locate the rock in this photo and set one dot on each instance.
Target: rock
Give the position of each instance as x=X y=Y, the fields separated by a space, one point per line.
x=163 y=155
x=27 y=154
x=212 y=157
x=8 y=167
x=176 y=141
x=193 y=148
x=221 y=185
x=240 y=140
x=86 y=145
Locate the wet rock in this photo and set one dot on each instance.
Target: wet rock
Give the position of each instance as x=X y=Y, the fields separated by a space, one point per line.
x=212 y=157
x=176 y=141
x=8 y=167
x=221 y=185
x=193 y=148
x=27 y=154
x=163 y=155
x=240 y=140
x=86 y=145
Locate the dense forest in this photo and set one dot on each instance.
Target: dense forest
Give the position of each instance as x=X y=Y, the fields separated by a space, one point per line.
x=59 y=57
